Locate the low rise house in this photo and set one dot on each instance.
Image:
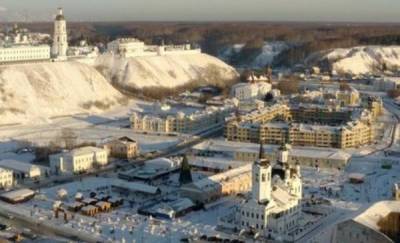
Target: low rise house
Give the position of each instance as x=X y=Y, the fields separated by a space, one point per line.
x=6 y=178
x=21 y=170
x=123 y=148
x=78 y=160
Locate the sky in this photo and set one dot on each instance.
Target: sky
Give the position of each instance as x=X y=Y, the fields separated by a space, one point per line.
x=204 y=10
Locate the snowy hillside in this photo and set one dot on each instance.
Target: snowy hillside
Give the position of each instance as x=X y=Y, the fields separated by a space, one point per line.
x=360 y=60
x=166 y=71
x=269 y=51
x=35 y=92
x=266 y=55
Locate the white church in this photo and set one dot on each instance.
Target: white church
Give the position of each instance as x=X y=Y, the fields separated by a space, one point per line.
x=274 y=208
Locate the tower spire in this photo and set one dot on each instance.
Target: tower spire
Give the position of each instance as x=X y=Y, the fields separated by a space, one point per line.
x=261 y=154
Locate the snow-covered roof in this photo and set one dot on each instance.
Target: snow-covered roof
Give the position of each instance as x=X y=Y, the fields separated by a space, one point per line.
x=18 y=166
x=18 y=194
x=135 y=186
x=377 y=212
x=219 y=178
x=229 y=146
x=215 y=163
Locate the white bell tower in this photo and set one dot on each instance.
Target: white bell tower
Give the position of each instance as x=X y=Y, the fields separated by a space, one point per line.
x=261 y=179
x=60 y=39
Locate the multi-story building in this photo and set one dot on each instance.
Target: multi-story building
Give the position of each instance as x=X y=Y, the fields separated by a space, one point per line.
x=339 y=127
x=78 y=160
x=6 y=178
x=249 y=91
x=247 y=152
x=124 y=148
x=24 y=53
x=180 y=122
x=132 y=47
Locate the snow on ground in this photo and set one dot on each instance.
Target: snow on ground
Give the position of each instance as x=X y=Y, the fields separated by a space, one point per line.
x=37 y=92
x=363 y=59
x=89 y=128
x=269 y=51
x=165 y=71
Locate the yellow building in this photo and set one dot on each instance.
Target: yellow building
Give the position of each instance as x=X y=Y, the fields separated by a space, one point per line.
x=336 y=127
x=123 y=148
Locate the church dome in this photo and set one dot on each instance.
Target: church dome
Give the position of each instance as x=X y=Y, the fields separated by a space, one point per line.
x=60 y=17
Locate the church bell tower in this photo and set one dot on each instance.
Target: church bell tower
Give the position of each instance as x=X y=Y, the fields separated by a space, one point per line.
x=60 y=38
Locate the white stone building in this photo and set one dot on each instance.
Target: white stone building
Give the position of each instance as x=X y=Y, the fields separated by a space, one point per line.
x=24 y=53
x=6 y=178
x=60 y=39
x=274 y=208
x=78 y=160
x=248 y=91
x=132 y=47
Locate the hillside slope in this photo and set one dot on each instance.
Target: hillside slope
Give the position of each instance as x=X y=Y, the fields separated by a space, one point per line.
x=359 y=60
x=36 y=92
x=165 y=71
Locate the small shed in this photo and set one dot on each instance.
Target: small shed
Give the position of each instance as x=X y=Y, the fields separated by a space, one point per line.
x=103 y=206
x=75 y=206
x=90 y=210
x=89 y=201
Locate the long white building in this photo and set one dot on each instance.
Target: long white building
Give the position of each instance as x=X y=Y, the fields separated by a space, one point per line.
x=248 y=91
x=24 y=53
x=78 y=160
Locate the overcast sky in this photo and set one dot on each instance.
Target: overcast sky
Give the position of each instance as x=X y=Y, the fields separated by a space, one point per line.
x=205 y=10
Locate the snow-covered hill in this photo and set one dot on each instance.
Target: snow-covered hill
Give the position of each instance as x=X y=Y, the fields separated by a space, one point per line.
x=36 y=92
x=165 y=71
x=266 y=55
x=360 y=60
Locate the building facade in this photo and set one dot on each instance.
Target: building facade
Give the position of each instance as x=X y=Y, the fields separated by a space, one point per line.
x=24 y=53
x=123 y=148
x=6 y=178
x=78 y=160
x=249 y=91
x=280 y=123
x=180 y=122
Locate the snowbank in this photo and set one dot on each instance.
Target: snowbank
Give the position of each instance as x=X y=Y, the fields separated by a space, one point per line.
x=35 y=92
x=166 y=71
x=363 y=59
